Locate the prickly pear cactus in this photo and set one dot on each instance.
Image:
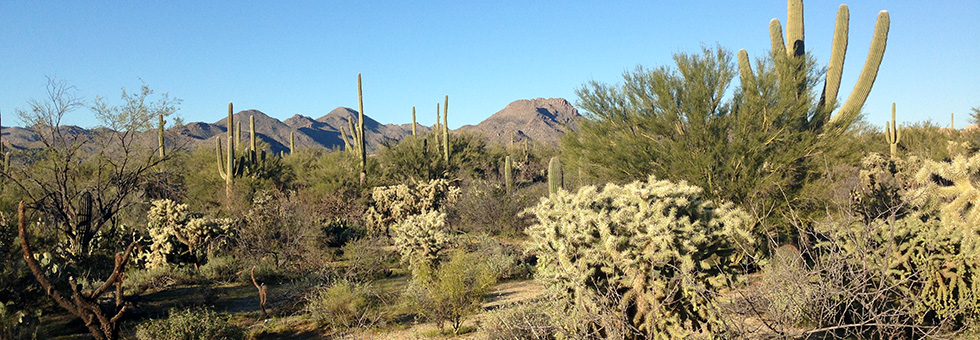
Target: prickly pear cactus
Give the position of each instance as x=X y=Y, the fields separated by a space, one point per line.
x=656 y=248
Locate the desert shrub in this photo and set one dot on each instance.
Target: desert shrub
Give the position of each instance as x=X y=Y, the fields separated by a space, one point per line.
x=172 y=228
x=345 y=304
x=488 y=207
x=283 y=231
x=220 y=269
x=519 y=321
x=189 y=325
x=366 y=259
x=508 y=261
x=909 y=270
x=158 y=278
x=421 y=158
x=656 y=249
x=419 y=238
x=17 y=324
x=392 y=204
x=452 y=291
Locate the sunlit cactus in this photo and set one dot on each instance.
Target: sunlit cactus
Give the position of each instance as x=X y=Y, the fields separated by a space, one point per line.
x=508 y=174
x=893 y=133
x=445 y=130
x=556 y=178
x=226 y=166
x=793 y=47
x=160 y=141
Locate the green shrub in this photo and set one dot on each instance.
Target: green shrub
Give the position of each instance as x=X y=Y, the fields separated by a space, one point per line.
x=344 y=305
x=656 y=249
x=452 y=291
x=201 y=324
x=158 y=278
x=366 y=259
x=220 y=269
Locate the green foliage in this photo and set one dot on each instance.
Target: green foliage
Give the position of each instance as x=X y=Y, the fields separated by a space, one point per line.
x=419 y=158
x=189 y=325
x=975 y=115
x=392 y=204
x=758 y=147
x=452 y=291
x=657 y=249
x=344 y=304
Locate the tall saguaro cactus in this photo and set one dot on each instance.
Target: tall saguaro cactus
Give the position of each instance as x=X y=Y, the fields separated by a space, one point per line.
x=226 y=169
x=556 y=179
x=292 y=142
x=414 y=133
x=508 y=174
x=360 y=129
x=445 y=129
x=893 y=133
x=794 y=47
x=160 y=130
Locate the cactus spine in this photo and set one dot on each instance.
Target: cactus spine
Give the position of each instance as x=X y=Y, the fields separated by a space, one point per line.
x=360 y=130
x=227 y=170
x=556 y=178
x=414 y=133
x=508 y=174
x=445 y=129
x=794 y=47
x=160 y=142
x=893 y=133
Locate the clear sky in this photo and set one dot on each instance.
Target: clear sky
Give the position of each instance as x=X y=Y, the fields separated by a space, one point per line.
x=296 y=57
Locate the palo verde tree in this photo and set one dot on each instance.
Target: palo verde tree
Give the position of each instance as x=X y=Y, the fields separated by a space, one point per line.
x=757 y=147
x=79 y=182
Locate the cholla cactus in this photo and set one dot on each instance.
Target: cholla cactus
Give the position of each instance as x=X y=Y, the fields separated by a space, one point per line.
x=169 y=222
x=954 y=184
x=657 y=246
x=419 y=238
x=395 y=203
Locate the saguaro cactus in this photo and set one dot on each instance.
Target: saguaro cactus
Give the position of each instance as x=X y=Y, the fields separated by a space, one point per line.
x=160 y=142
x=414 y=133
x=360 y=129
x=508 y=174
x=5 y=166
x=445 y=130
x=794 y=48
x=226 y=169
x=556 y=179
x=893 y=133
x=292 y=142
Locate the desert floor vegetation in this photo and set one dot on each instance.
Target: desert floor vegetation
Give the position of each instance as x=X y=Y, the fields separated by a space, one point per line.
x=681 y=206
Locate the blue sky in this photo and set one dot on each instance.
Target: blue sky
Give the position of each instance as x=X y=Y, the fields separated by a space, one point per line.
x=293 y=57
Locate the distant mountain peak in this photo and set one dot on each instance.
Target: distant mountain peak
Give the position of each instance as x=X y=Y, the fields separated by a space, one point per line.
x=539 y=119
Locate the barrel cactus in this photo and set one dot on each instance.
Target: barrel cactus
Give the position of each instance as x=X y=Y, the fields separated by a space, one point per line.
x=657 y=250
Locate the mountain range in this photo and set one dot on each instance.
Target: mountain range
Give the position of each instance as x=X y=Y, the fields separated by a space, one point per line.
x=540 y=120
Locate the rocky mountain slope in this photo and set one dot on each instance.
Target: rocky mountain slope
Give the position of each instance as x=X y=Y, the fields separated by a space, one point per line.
x=541 y=120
